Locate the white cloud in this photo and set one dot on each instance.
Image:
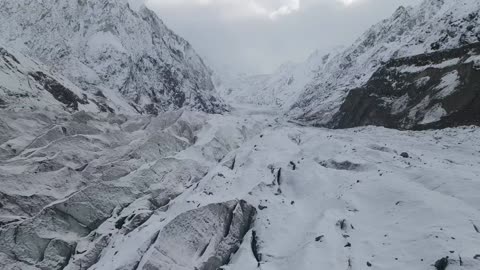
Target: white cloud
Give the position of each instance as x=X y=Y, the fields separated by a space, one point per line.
x=348 y=2
x=240 y=8
x=286 y=9
x=256 y=36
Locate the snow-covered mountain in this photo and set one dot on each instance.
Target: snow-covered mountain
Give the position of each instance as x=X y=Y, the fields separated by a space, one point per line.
x=120 y=53
x=432 y=26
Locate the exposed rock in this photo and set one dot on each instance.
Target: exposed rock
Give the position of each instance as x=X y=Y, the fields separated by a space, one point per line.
x=319 y=238
x=341 y=165
x=58 y=91
x=254 y=245
x=441 y=264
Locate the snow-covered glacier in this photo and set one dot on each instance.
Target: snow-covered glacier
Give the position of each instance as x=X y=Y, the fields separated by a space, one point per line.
x=245 y=190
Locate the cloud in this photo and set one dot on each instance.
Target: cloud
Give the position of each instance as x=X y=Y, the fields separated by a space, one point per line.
x=286 y=9
x=272 y=9
x=348 y=2
x=256 y=36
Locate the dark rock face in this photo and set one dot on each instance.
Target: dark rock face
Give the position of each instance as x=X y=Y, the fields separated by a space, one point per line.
x=203 y=238
x=8 y=57
x=58 y=91
x=436 y=90
x=441 y=264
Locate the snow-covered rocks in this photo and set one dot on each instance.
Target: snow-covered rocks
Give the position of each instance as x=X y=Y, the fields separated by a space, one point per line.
x=203 y=239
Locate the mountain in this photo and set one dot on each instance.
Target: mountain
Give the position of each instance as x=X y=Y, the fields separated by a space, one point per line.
x=123 y=55
x=432 y=26
x=436 y=90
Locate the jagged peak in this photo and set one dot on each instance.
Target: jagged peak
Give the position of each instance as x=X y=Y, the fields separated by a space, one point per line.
x=401 y=11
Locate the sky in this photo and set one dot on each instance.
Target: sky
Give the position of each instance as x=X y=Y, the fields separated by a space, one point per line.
x=257 y=36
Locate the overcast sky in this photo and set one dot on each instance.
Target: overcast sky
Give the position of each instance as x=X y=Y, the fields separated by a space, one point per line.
x=256 y=36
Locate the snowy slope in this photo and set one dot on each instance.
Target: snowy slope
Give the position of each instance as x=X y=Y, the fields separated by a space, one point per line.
x=26 y=85
x=178 y=192
x=433 y=25
x=108 y=48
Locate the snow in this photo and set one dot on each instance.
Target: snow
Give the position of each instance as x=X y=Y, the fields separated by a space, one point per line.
x=435 y=114
x=399 y=212
x=417 y=69
x=420 y=107
x=102 y=40
x=399 y=208
x=448 y=85
x=422 y=81
x=400 y=104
